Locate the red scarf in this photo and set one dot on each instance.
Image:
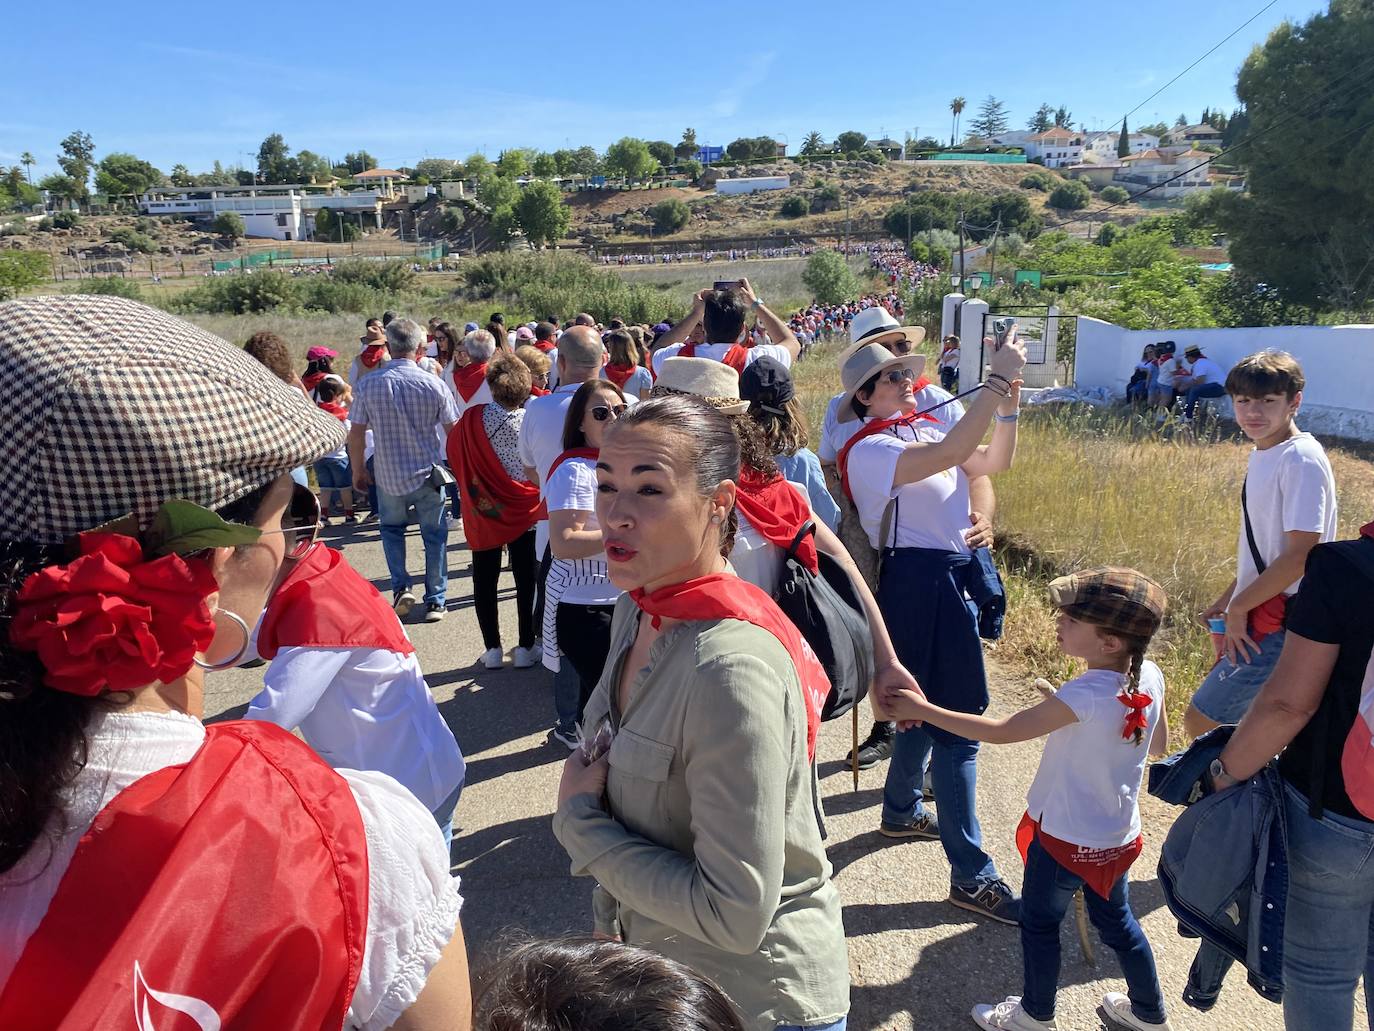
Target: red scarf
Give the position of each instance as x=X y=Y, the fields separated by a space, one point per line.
x=231 y=890
x=1100 y=868
x=737 y=357
x=878 y=426
x=776 y=510
x=1367 y=530
x=619 y=374
x=311 y=380
x=333 y=408
x=547 y=346
x=325 y=603
x=539 y=391
x=371 y=355
x=469 y=378
x=726 y=596
x=578 y=452
x=496 y=509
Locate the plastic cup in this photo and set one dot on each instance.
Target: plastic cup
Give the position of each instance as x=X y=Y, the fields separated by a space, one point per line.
x=1217 y=626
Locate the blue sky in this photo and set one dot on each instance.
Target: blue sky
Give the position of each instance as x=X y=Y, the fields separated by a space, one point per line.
x=195 y=82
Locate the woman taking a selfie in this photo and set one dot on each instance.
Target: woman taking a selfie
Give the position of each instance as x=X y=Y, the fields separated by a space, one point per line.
x=699 y=823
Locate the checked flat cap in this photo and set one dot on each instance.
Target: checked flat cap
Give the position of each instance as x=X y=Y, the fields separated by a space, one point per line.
x=1116 y=599
x=110 y=407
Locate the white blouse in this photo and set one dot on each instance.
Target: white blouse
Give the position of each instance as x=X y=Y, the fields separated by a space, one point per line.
x=412 y=902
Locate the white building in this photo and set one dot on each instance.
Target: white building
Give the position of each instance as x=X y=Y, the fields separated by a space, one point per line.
x=1153 y=167
x=1101 y=146
x=1054 y=148
x=271 y=212
x=753 y=184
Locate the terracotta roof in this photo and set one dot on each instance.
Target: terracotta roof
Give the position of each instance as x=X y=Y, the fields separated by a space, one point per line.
x=380 y=173
x=1055 y=133
x=1155 y=157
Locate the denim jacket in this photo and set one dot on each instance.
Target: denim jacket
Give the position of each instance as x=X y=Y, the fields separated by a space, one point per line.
x=1224 y=870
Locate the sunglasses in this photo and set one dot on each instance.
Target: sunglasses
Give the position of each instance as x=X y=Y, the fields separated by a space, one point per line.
x=896 y=376
x=300 y=522
x=603 y=412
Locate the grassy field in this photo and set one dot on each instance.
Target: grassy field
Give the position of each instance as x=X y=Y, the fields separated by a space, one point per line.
x=777 y=280
x=1090 y=488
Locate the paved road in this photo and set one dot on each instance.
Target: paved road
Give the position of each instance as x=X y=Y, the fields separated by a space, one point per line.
x=915 y=961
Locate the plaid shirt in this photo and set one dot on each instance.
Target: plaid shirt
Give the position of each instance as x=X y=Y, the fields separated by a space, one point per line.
x=402 y=404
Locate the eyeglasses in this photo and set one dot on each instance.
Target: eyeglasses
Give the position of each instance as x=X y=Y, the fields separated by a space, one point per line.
x=603 y=412
x=896 y=376
x=300 y=522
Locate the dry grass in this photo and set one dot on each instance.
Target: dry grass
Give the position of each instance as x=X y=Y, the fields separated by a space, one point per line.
x=1093 y=488
x=777 y=280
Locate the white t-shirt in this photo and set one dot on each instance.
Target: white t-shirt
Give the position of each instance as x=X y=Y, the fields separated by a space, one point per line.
x=412 y=900
x=1287 y=487
x=1206 y=371
x=541 y=441
x=584 y=581
x=1169 y=369
x=1088 y=783
x=754 y=557
x=835 y=434
x=364 y=709
x=719 y=351
x=949 y=359
x=930 y=513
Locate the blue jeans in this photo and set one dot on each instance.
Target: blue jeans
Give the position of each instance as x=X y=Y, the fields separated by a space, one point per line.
x=432 y=514
x=1045 y=896
x=954 y=775
x=1229 y=689
x=371 y=489
x=443 y=815
x=567 y=694
x=1327 y=932
x=1197 y=393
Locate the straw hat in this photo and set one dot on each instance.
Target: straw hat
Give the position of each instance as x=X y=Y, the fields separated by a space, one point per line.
x=860 y=364
x=873 y=324
x=121 y=407
x=713 y=381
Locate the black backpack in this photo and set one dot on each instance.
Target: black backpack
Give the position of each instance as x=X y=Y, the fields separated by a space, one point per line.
x=826 y=610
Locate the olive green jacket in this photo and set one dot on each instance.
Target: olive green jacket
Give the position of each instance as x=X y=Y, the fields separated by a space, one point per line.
x=707 y=848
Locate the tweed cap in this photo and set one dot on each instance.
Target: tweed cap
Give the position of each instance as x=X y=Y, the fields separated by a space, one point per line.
x=112 y=407
x=1116 y=599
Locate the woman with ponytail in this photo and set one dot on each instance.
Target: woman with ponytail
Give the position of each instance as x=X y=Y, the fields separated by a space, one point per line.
x=623 y=366
x=699 y=825
x=1082 y=821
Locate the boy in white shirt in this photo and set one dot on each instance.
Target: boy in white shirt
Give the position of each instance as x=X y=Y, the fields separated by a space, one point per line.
x=1288 y=507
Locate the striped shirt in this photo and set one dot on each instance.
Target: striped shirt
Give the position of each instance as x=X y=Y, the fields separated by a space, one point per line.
x=402 y=404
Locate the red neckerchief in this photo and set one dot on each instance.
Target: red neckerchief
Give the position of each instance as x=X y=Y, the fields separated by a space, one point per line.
x=545 y=345
x=589 y=453
x=325 y=603
x=242 y=899
x=619 y=374
x=371 y=355
x=469 y=378
x=1100 y=868
x=1367 y=530
x=496 y=508
x=776 y=510
x=333 y=408
x=311 y=380
x=726 y=596
x=539 y=391
x=878 y=426
x=737 y=357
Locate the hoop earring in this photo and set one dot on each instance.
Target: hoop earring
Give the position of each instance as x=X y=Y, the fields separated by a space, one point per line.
x=237 y=657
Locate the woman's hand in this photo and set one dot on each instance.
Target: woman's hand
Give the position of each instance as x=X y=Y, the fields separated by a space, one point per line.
x=1009 y=359
x=578 y=779
x=1011 y=404
x=979 y=534
x=1217 y=610
x=1238 y=646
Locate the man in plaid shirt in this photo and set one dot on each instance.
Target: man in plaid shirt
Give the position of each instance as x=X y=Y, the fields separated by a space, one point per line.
x=402 y=404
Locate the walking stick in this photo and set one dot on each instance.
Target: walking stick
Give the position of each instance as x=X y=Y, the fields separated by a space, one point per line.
x=854 y=751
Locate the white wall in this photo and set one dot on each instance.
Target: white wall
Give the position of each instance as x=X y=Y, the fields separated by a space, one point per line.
x=1337 y=360
x=761 y=182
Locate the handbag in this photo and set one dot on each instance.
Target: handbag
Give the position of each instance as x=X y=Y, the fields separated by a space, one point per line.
x=826 y=609
x=440 y=477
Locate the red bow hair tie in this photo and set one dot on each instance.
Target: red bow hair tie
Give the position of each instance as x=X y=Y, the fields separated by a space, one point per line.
x=1136 y=704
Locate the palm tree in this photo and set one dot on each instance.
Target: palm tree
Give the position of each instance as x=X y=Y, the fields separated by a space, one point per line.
x=957 y=106
x=812 y=143
x=28 y=161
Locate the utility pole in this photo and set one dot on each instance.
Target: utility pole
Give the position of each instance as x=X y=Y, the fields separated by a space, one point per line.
x=995 y=233
x=846 y=223
x=962 y=278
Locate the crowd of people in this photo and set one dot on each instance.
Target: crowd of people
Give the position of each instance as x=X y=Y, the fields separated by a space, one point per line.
x=652 y=492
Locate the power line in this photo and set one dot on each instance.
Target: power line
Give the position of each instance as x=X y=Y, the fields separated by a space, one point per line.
x=1204 y=57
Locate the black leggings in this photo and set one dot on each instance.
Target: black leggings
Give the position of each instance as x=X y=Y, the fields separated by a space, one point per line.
x=486 y=570
x=584 y=638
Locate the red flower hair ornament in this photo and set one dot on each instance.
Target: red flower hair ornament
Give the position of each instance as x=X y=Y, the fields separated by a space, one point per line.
x=124 y=613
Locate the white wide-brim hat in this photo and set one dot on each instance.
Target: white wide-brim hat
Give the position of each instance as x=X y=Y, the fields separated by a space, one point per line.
x=872 y=324
x=715 y=382
x=863 y=363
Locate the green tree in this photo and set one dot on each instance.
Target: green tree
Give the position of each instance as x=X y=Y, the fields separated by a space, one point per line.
x=1157 y=129
x=670 y=215
x=313 y=168
x=1063 y=117
x=228 y=225
x=330 y=227
x=1070 y=196
x=630 y=157
x=513 y=163
x=22 y=270
x=541 y=214
x=692 y=168
x=1306 y=224
x=956 y=107
x=829 y=278
x=686 y=150
x=181 y=176
x=76 y=159
x=1108 y=234
x=28 y=161
x=544 y=166
x=663 y=151
x=121 y=175
x=741 y=149
x=495 y=192
x=813 y=144
x=795 y=206
x=477 y=167
x=1115 y=194
x=275 y=164
x=1042 y=119
x=435 y=169
x=582 y=161
x=62 y=186
x=1163 y=296
x=850 y=142
x=360 y=161
x=992 y=118
x=1123 y=142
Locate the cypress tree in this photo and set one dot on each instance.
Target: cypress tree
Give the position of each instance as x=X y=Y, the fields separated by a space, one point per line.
x=1123 y=142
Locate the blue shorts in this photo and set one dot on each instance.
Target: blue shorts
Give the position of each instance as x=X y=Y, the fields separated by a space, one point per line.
x=1229 y=689
x=333 y=474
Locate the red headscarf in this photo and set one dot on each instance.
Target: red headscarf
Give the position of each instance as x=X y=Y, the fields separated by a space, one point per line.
x=469 y=378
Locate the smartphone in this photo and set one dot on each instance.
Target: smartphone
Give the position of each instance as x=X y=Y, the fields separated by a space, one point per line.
x=598 y=743
x=1002 y=328
x=728 y=284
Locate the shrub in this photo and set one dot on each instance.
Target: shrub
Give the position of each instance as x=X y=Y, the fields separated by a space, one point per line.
x=1108 y=234
x=387 y=276
x=112 y=286
x=133 y=240
x=147 y=226
x=229 y=224
x=670 y=215
x=692 y=168
x=829 y=278
x=795 y=206
x=1115 y=194
x=239 y=294
x=65 y=220
x=1042 y=181
x=559 y=282
x=20 y=270
x=1070 y=196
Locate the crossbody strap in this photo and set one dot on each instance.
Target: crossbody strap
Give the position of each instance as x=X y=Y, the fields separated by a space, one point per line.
x=1260 y=564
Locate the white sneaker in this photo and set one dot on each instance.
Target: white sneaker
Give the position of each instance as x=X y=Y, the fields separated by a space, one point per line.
x=403 y=602
x=524 y=658
x=1008 y=1016
x=1117 y=1007
x=493 y=658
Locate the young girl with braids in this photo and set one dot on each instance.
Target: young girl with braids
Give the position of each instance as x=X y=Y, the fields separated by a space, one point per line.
x=1082 y=822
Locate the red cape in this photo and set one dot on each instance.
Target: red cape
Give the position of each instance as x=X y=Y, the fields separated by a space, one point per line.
x=229 y=892
x=469 y=378
x=777 y=511
x=496 y=508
